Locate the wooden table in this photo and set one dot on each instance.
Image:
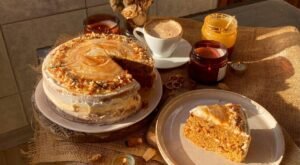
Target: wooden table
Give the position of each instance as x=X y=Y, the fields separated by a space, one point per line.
x=292 y=19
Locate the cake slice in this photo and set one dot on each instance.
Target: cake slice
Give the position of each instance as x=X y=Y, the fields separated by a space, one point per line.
x=220 y=128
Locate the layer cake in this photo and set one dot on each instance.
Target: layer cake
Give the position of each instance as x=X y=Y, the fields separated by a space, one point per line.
x=95 y=78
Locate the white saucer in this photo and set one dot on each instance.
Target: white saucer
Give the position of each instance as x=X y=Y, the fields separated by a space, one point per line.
x=179 y=57
x=48 y=110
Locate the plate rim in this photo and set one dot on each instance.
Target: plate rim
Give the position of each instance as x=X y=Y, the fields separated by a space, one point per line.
x=158 y=126
x=155 y=103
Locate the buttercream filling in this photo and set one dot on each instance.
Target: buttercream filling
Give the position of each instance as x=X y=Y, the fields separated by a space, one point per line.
x=83 y=109
x=223 y=115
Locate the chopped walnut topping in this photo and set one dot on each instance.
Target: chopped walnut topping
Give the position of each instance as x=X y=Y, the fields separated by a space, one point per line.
x=67 y=78
x=134 y=141
x=149 y=154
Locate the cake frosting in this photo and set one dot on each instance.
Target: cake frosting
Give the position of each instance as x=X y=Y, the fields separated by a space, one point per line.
x=85 y=78
x=229 y=115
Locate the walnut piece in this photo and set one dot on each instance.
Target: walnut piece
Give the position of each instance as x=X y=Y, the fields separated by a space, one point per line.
x=95 y=158
x=149 y=154
x=135 y=141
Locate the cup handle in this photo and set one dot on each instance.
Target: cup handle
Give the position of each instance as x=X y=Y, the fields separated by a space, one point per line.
x=137 y=36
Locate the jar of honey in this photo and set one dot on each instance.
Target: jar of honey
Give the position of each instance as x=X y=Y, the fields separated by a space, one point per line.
x=222 y=28
x=208 y=62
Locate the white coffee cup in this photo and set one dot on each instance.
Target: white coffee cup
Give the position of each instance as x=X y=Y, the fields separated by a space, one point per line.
x=161 y=35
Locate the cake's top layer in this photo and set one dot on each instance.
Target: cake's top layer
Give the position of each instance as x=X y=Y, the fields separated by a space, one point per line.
x=85 y=64
x=229 y=115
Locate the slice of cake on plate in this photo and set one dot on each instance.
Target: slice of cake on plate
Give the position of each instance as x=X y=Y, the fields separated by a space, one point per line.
x=220 y=128
x=95 y=78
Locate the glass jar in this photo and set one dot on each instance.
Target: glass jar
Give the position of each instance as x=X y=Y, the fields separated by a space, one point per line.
x=123 y=159
x=102 y=23
x=222 y=28
x=208 y=62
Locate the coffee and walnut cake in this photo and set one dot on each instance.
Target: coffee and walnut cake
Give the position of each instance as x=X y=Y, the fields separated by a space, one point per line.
x=220 y=128
x=95 y=78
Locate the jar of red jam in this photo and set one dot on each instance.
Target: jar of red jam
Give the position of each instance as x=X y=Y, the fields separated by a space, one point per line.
x=102 y=23
x=208 y=62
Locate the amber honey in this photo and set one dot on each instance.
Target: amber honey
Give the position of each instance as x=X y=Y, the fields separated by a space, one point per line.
x=222 y=28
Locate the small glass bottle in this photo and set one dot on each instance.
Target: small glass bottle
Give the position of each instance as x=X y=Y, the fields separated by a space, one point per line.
x=208 y=62
x=123 y=159
x=222 y=28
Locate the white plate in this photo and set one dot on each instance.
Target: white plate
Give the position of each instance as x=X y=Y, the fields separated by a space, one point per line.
x=267 y=145
x=179 y=57
x=47 y=109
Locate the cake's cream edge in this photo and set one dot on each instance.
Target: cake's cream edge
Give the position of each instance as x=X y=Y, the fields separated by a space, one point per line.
x=83 y=110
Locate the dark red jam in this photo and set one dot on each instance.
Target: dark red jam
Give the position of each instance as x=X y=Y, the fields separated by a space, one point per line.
x=102 y=23
x=208 y=62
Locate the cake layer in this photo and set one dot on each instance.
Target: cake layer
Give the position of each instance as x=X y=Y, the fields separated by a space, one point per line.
x=219 y=128
x=100 y=109
x=140 y=72
x=217 y=139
